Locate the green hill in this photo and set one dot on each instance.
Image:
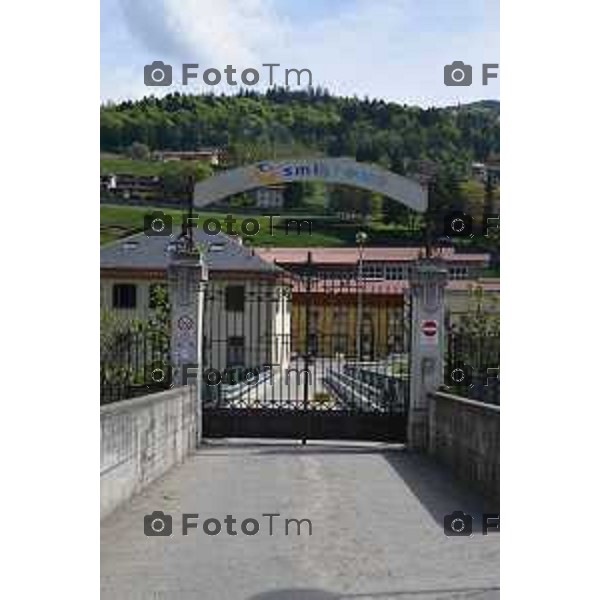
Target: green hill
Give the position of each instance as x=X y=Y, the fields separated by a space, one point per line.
x=251 y=126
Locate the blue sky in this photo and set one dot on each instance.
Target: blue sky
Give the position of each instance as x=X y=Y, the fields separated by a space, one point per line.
x=391 y=49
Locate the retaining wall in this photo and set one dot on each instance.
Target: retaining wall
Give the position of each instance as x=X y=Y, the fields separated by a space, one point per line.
x=141 y=439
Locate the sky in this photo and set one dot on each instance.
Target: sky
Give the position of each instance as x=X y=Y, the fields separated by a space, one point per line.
x=390 y=49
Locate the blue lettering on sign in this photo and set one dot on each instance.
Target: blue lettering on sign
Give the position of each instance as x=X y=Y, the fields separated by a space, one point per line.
x=322 y=170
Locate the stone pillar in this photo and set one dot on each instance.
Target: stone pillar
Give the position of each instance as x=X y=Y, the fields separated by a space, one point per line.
x=187 y=275
x=428 y=280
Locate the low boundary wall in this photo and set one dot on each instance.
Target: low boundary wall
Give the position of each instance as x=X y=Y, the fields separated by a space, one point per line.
x=141 y=439
x=465 y=436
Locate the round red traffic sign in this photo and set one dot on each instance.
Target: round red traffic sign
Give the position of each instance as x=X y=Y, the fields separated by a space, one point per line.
x=429 y=328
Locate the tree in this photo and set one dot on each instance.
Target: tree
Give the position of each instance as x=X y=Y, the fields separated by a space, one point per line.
x=492 y=199
x=344 y=200
x=138 y=151
x=473 y=194
x=285 y=123
x=491 y=228
x=399 y=214
x=293 y=194
x=178 y=177
x=445 y=198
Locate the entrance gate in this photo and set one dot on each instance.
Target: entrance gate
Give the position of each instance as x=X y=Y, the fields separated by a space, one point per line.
x=316 y=357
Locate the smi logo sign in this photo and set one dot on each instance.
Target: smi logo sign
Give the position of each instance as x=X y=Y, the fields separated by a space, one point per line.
x=323 y=170
x=343 y=171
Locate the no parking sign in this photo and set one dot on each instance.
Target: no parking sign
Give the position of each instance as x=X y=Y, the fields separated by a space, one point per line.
x=186 y=323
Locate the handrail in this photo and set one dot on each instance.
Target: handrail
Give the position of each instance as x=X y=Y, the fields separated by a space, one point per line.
x=467 y=401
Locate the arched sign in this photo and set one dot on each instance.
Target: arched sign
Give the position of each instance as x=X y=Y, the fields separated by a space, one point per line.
x=344 y=171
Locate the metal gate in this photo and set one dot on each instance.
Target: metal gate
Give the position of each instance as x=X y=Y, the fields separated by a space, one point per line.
x=312 y=357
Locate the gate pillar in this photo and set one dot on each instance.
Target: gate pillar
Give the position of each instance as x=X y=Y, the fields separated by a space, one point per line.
x=187 y=275
x=428 y=280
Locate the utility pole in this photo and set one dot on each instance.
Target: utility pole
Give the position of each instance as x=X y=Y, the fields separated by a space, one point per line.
x=361 y=238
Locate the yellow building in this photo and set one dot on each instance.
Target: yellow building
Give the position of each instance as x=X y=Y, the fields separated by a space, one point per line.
x=346 y=318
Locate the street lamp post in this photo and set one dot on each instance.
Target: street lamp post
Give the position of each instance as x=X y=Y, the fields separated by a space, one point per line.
x=361 y=238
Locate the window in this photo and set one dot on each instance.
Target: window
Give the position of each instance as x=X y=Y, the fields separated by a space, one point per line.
x=124 y=295
x=395 y=272
x=234 y=298
x=235 y=351
x=372 y=271
x=158 y=295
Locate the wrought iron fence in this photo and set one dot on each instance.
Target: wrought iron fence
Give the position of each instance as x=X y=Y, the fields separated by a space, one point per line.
x=472 y=362
x=134 y=361
x=309 y=357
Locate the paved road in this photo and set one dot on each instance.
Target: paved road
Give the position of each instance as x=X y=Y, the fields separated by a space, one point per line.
x=377 y=529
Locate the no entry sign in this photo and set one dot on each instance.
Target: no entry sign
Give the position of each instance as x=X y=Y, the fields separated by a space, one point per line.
x=429 y=328
x=429 y=331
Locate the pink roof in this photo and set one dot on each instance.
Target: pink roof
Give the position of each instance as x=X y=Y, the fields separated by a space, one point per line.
x=344 y=256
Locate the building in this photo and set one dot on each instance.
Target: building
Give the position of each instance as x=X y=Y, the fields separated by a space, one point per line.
x=383 y=263
x=486 y=172
x=247 y=301
x=211 y=156
x=269 y=197
x=259 y=309
x=131 y=187
x=334 y=313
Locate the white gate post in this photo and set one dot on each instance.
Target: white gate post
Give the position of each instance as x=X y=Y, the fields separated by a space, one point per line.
x=428 y=280
x=187 y=275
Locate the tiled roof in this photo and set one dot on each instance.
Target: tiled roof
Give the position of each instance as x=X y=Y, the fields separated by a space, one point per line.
x=149 y=253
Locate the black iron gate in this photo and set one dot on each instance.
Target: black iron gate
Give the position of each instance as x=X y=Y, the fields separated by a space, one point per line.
x=308 y=357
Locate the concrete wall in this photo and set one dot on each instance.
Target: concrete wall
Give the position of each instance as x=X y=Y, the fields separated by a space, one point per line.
x=465 y=436
x=142 y=438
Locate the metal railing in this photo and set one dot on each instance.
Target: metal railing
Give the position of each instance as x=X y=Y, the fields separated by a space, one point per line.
x=472 y=364
x=133 y=362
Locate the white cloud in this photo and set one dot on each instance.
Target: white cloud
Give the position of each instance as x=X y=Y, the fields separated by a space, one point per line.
x=224 y=32
x=389 y=48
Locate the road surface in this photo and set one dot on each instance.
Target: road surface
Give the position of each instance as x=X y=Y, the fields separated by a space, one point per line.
x=376 y=513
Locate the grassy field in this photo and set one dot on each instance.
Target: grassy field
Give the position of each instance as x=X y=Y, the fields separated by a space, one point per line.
x=117 y=220
x=120 y=221
x=117 y=165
